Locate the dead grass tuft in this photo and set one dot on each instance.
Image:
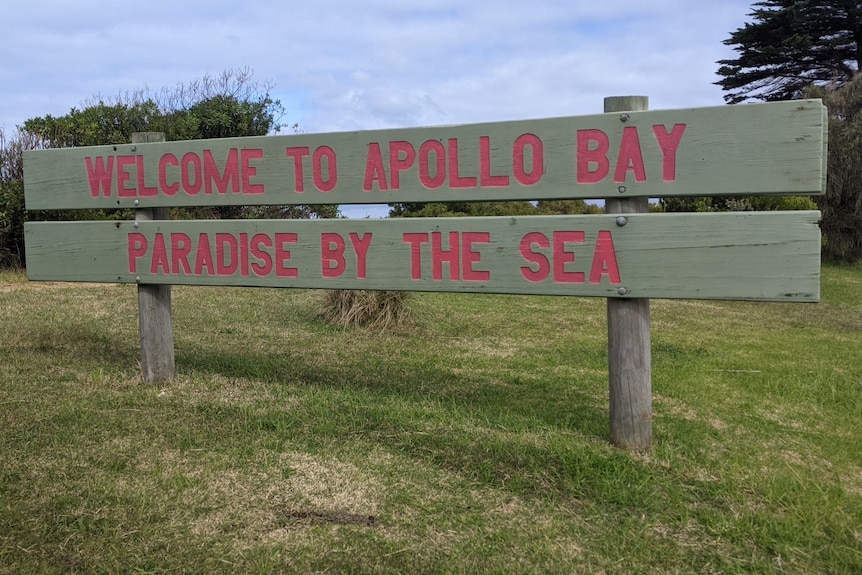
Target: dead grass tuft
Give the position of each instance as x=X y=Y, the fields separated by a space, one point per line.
x=384 y=310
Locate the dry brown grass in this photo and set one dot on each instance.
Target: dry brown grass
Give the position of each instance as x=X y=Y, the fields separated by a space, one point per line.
x=384 y=310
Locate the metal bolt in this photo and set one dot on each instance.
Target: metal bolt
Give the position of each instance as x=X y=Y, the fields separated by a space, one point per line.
x=137 y=202
x=622 y=220
x=621 y=189
x=136 y=224
x=622 y=291
x=134 y=148
x=623 y=118
x=138 y=279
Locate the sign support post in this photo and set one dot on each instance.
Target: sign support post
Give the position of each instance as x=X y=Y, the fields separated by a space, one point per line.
x=629 y=353
x=625 y=156
x=154 y=303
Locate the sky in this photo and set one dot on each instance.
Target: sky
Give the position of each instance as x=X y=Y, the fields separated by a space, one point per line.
x=339 y=65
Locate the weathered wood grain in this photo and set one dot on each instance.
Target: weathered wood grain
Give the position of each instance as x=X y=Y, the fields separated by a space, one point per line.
x=155 y=320
x=772 y=256
x=629 y=336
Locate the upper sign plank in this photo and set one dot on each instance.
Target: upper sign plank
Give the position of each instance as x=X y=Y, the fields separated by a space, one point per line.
x=773 y=148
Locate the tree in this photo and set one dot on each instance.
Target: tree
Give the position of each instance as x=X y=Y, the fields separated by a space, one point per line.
x=566 y=207
x=98 y=123
x=791 y=45
x=419 y=210
x=841 y=206
x=736 y=204
x=512 y=208
x=12 y=213
x=226 y=106
x=231 y=104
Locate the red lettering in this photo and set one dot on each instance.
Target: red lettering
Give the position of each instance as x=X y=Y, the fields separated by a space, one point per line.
x=415 y=240
x=455 y=179
x=262 y=267
x=297 y=154
x=177 y=261
x=439 y=256
x=360 y=247
x=181 y=245
x=282 y=255
x=401 y=157
x=537 y=161
x=592 y=156
x=243 y=255
x=439 y=177
x=100 y=174
x=324 y=185
x=332 y=261
x=605 y=260
x=204 y=256
x=229 y=176
x=137 y=249
x=160 y=256
x=374 y=170
x=123 y=176
x=143 y=190
x=630 y=157
x=226 y=266
x=249 y=171
x=563 y=257
x=191 y=186
x=485 y=177
x=165 y=161
x=669 y=143
x=540 y=261
x=469 y=257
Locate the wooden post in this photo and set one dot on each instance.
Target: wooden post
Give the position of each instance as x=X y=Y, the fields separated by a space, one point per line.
x=154 y=303
x=629 y=354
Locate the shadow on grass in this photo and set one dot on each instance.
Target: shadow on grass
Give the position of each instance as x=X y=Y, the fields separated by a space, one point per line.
x=83 y=346
x=507 y=399
x=532 y=439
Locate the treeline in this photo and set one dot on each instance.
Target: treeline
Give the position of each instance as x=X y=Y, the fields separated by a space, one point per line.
x=233 y=105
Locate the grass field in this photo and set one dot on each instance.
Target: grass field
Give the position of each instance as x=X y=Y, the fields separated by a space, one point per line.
x=474 y=441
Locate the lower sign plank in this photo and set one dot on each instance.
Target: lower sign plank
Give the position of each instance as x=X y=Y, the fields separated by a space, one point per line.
x=771 y=256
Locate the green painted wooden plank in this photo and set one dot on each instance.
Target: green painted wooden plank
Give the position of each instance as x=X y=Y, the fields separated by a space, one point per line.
x=739 y=255
x=825 y=155
x=771 y=148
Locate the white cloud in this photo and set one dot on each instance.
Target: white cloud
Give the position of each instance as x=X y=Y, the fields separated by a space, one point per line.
x=343 y=65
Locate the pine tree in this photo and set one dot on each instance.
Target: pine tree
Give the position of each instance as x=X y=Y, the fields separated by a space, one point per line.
x=791 y=45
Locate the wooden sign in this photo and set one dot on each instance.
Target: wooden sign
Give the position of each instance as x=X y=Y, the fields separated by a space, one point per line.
x=622 y=156
x=740 y=255
x=772 y=148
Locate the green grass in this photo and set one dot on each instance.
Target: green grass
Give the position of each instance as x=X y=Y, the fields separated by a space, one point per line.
x=475 y=441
